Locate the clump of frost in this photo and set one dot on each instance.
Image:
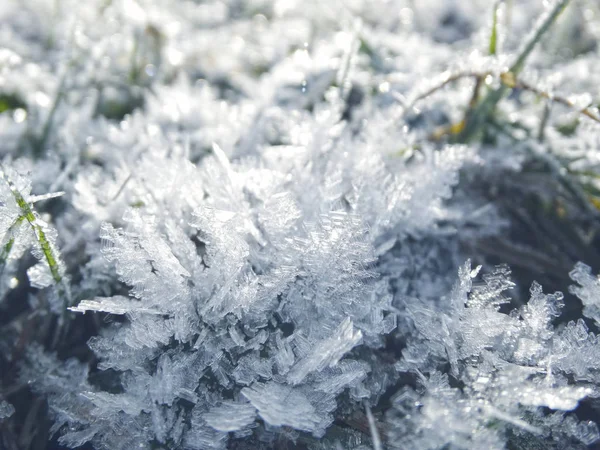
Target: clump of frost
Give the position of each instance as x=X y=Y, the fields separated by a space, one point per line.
x=503 y=368
x=588 y=290
x=6 y=409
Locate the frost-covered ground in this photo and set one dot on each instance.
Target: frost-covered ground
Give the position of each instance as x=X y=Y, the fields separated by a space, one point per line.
x=274 y=224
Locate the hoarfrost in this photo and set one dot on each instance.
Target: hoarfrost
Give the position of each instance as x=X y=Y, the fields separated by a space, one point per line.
x=6 y=409
x=263 y=207
x=273 y=400
x=230 y=416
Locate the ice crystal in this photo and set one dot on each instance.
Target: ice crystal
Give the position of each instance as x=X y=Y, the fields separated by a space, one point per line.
x=588 y=290
x=6 y=409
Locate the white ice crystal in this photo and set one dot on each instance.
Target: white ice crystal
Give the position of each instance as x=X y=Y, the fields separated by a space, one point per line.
x=6 y=409
x=230 y=416
x=272 y=401
x=588 y=290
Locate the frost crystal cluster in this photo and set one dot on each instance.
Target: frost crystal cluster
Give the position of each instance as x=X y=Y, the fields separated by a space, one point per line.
x=244 y=224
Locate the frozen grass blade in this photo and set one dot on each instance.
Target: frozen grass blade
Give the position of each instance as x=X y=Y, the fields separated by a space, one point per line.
x=40 y=142
x=373 y=429
x=9 y=241
x=546 y=22
x=46 y=247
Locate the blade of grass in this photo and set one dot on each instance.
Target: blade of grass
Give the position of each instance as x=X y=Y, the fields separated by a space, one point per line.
x=46 y=247
x=9 y=241
x=375 y=438
x=494 y=34
x=546 y=23
x=40 y=143
x=588 y=112
x=544 y=121
x=444 y=79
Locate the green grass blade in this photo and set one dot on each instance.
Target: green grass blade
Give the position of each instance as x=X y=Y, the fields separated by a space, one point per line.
x=493 y=47
x=27 y=213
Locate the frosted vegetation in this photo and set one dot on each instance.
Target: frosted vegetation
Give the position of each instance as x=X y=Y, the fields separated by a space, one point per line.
x=292 y=223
